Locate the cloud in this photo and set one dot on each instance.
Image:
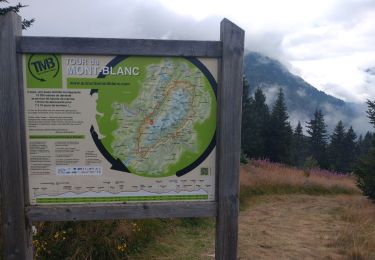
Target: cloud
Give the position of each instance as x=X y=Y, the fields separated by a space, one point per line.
x=344 y=77
x=357 y=119
x=333 y=53
x=370 y=71
x=295 y=117
x=301 y=92
x=116 y=19
x=329 y=43
x=271 y=91
x=360 y=123
x=350 y=11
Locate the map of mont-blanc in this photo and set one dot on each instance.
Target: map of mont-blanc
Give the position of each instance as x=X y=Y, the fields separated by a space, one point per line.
x=120 y=128
x=167 y=125
x=158 y=132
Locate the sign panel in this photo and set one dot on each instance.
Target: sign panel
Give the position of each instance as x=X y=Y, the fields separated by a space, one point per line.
x=115 y=129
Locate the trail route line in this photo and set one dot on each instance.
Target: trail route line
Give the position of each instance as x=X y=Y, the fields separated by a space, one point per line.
x=170 y=122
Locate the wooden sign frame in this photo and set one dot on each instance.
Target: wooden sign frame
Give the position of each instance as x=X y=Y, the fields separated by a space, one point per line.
x=18 y=215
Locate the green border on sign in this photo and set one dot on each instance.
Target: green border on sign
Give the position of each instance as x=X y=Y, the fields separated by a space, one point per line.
x=122 y=199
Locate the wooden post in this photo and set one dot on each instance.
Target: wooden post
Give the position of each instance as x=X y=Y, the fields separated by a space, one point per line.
x=16 y=230
x=229 y=139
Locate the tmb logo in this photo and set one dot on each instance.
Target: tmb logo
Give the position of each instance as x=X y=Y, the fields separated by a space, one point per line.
x=43 y=67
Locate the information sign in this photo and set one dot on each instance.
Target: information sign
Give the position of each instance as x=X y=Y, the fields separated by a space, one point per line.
x=120 y=128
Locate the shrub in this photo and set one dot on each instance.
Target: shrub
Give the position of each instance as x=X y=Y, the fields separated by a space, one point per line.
x=94 y=239
x=310 y=164
x=243 y=158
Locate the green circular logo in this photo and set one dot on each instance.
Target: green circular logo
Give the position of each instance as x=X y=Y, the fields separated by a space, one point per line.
x=43 y=67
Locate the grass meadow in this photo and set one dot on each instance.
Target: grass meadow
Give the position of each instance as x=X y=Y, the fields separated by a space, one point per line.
x=356 y=240
x=194 y=238
x=261 y=177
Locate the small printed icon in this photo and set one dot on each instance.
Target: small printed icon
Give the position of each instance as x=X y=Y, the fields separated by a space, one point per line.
x=43 y=67
x=204 y=171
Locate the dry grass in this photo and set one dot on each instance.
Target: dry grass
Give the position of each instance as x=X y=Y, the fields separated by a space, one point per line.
x=301 y=226
x=297 y=226
x=187 y=239
x=260 y=177
x=357 y=239
x=277 y=226
x=280 y=226
x=354 y=215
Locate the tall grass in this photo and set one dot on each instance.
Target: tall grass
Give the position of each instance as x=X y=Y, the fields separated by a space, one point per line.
x=262 y=177
x=121 y=239
x=358 y=238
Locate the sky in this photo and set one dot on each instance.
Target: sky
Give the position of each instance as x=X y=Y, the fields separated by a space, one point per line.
x=329 y=43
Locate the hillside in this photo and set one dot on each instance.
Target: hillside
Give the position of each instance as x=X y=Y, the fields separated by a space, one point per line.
x=302 y=98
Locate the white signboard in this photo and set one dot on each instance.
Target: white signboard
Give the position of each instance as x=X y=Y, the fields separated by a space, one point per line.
x=115 y=129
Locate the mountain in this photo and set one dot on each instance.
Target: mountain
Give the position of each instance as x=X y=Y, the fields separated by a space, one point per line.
x=302 y=99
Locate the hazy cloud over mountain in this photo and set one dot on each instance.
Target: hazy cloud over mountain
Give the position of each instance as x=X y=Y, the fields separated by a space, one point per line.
x=329 y=43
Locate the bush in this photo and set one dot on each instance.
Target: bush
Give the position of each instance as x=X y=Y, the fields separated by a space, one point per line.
x=310 y=164
x=94 y=239
x=243 y=158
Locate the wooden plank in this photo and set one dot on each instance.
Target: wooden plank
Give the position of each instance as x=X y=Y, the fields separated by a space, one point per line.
x=23 y=126
x=16 y=232
x=229 y=139
x=121 y=211
x=28 y=223
x=103 y=46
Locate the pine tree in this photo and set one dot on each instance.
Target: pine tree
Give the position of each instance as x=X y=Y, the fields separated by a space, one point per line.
x=364 y=144
x=365 y=169
x=365 y=172
x=257 y=117
x=16 y=8
x=371 y=111
x=288 y=143
x=298 y=146
x=246 y=117
x=351 y=148
x=337 y=148
x=317 y=141
x=280 y=132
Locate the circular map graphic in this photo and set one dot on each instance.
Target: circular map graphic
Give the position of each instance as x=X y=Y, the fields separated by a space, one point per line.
x=160 y=119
